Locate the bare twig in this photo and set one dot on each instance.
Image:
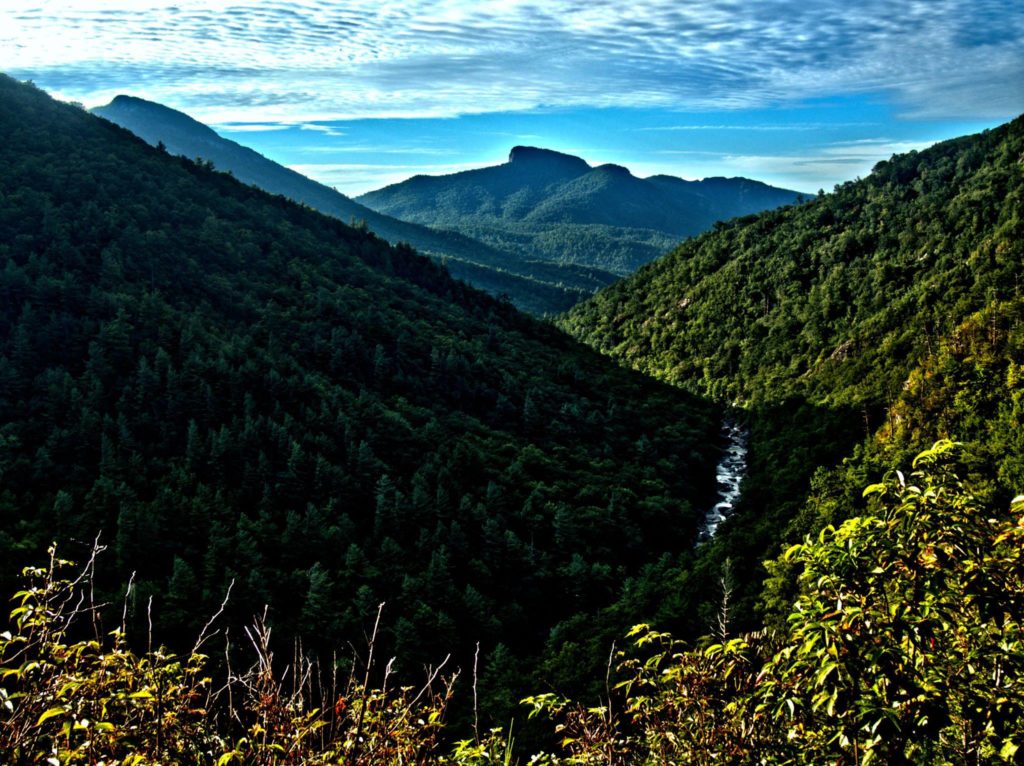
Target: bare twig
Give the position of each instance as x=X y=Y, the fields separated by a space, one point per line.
x=476 y=708
x=149 y=622
x=354 y=753
x=124 y=612
x=432 y=675
x=202 y=634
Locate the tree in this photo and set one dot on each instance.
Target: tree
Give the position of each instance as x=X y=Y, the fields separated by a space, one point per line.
x=905 y=645
x=906 y=640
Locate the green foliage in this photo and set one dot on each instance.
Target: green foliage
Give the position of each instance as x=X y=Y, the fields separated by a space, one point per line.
x=853 y=330
x=823 y=298
x=233 y=387
x=555 y=208
x=906 y=641
x=236 y=389
x=86 y=701
x=905 y=644
x=93 y=700
x=966 y=387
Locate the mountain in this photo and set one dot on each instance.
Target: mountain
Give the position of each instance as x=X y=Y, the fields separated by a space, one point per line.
x=853 y=330
x=537 y=287
x=559 y=208
x=234 y=390
x=228 y=386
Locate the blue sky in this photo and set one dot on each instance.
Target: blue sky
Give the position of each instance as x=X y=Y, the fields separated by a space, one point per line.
x=362 y=93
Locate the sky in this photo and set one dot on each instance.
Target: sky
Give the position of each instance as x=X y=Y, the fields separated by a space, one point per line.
x=358 y=94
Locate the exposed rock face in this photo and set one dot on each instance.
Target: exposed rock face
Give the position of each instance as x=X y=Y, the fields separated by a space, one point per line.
x=531 y=156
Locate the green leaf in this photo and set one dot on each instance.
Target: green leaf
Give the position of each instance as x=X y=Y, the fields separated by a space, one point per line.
x=824 y=673
x=640 y=628
x=51 y=713
x=791 y=551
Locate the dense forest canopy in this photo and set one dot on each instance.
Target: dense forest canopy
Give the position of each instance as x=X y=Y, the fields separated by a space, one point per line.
x=854 y=330
x=536 y=286
x=238 y=392
x=228 y=386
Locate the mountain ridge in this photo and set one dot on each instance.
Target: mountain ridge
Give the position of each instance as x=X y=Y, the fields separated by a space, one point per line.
x=239 y=389
x=816 y=318
x=542 y=197
x=532 y=286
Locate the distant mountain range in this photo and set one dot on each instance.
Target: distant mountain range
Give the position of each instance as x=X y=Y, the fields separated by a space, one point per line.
x=557 y=207
x=538 y=287
x=545 y=229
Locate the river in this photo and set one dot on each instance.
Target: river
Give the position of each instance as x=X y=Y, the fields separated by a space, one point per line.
x=729 y=474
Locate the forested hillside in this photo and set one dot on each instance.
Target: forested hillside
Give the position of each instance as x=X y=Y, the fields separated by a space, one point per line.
x=237 y=393
x=855 y=330
x=538 y=287
x=229 y=387
x=556 y=207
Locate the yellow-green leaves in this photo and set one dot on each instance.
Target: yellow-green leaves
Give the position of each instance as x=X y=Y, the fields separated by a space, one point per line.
x=51 y=713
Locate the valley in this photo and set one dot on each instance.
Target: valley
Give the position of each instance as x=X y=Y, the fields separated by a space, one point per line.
x=563 y=231
x=543 y=461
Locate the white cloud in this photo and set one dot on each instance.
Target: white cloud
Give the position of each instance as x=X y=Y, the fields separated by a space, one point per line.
x=356 y=178
x=786 y=127
x=251 y=127
x=327 y=130
x=813 y=168
x=378 y=150
x=313 y=61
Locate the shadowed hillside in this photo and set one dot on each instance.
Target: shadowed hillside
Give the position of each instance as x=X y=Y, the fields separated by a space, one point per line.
x=228 y=386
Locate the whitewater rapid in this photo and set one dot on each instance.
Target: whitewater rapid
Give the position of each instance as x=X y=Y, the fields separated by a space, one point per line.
x=729 y=474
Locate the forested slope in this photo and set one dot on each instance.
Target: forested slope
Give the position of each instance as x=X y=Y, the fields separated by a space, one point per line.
x=233 y=387
x=555 y=207
x=822 y=320
x=538 y=287
x=228 y=386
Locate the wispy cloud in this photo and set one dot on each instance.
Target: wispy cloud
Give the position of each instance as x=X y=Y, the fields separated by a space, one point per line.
x=804 y=170
x=327 y=130
x=377 y=150
x=312 y=61
x=251 y=127
x=356 y=177
x=786 y=127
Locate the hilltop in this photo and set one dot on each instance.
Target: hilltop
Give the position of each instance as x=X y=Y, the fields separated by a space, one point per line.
x=538 y=287
x=557 y=207
x=228 y=386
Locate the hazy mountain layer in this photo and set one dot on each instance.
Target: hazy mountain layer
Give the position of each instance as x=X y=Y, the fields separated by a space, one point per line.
x=557 y=207
x=539 y=288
